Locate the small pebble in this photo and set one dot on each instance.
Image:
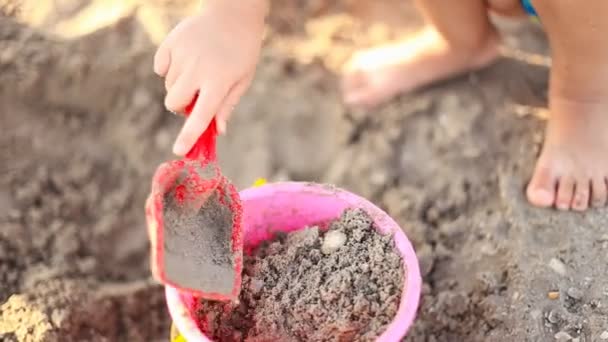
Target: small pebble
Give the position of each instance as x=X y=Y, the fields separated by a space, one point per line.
x=563 y=336
x=515 y=296
x=604 y=335
x=333 y=241
x=576 y=339
x=553 y=317
x=575 y=293
x=553 y=295
x=557 y=266
x=256 y=285
x=58 y=317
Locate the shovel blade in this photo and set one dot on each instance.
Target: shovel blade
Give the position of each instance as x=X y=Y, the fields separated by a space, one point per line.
x=194 y=221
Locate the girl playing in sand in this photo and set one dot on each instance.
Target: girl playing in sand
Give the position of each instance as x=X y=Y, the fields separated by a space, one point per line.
x=572 y=170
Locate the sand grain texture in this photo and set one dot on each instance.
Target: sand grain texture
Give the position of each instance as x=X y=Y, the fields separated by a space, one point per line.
x=84 y=127
x=292 y=291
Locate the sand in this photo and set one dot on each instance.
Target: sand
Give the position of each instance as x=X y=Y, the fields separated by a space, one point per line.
x=84 y=128
x=198 y=245
x=308 y=286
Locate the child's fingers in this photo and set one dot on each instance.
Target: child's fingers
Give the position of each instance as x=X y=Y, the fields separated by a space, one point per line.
x=181 y=93
x=205 y=108
x=230 y=102
x=172 y=75
x=162 y=60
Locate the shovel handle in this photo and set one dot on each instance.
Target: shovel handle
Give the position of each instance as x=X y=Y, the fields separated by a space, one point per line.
x=204 y=148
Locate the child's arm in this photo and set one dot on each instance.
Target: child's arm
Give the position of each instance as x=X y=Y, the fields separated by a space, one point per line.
x=214 y=53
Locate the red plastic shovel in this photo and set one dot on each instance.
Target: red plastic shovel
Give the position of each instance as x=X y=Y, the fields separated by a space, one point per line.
x=194 y=221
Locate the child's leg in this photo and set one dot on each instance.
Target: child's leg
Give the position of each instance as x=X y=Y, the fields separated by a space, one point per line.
x=459 y=38
x=572 y=169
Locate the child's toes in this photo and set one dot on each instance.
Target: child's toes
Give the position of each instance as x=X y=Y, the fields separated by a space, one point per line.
x=541 y=189
x=599 y=192
x=580 y=201
x=565 y=192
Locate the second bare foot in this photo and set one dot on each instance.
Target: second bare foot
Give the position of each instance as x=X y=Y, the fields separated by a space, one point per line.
x=374 y=76
x=572 y=170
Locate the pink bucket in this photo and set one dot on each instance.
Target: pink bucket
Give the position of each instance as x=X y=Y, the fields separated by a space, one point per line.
x=290 y=206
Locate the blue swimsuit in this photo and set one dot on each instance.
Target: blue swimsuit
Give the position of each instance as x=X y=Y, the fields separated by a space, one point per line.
x=529 y=8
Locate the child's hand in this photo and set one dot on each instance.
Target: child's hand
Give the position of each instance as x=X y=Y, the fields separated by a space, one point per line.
x=215 y=54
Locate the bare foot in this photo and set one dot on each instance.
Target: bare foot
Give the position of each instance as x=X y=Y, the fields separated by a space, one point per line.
x=376 y=75
x=572 y=170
